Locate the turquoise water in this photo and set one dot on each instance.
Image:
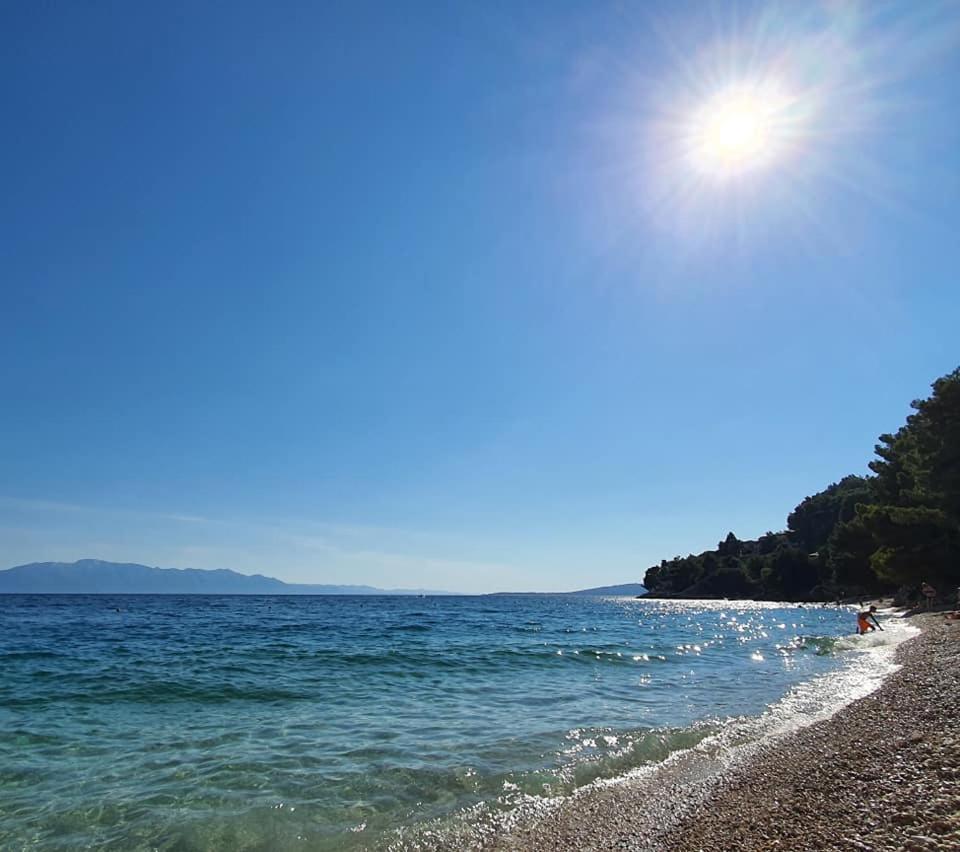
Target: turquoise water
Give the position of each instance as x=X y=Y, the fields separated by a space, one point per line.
x=315 y=723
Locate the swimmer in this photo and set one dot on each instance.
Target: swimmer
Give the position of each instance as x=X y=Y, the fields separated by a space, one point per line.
x=864 y=617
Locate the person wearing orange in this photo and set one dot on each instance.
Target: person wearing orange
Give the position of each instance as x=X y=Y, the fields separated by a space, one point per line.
x=863 y=621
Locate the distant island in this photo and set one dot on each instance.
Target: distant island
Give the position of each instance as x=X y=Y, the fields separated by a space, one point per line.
x=864 y=535
x=96 y=577
x=623 y=590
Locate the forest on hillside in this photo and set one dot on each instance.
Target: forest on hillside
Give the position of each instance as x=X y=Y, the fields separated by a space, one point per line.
x=883 y=533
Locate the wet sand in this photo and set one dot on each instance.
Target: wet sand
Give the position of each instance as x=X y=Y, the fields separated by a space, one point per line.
x=881 y=774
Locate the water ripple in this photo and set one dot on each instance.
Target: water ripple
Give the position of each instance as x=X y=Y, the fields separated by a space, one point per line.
x=326 y=723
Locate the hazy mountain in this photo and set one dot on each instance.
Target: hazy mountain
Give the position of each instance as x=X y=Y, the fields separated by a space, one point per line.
x=623 y=590
x=631 y=589
x=94 y=576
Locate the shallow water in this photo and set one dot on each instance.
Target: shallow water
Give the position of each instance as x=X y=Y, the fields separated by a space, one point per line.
x=166 y=722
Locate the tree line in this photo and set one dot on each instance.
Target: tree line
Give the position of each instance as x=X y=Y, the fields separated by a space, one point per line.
x=878 y=534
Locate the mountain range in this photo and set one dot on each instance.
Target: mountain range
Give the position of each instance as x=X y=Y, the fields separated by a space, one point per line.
x=96 y=577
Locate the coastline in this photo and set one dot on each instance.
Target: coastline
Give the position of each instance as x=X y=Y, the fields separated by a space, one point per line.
x=882 y=773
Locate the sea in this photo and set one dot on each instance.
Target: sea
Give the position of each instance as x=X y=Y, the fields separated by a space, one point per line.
x=385 y=723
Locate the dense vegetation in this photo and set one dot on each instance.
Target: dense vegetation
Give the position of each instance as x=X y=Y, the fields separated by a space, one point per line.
x=862 y=535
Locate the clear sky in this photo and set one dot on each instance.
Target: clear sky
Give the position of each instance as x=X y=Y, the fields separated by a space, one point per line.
x=473 y=296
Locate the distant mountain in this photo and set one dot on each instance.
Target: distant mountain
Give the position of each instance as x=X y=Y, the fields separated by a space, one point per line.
x=623 y=590
x=631 y=589
x=95 y=577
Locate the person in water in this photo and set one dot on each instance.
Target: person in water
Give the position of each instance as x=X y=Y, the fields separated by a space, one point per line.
x=864 y=617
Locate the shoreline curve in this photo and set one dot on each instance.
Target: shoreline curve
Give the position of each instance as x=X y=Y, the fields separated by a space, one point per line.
x=881 y=773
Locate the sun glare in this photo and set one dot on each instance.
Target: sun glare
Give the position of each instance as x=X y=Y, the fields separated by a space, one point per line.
x=738 y=129
x=754 y=119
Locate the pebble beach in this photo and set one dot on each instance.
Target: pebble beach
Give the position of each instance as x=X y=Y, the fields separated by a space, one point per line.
x=881 y=774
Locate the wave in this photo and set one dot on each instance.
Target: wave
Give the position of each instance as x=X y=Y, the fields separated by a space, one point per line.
x=891 y=636
x=158 y=693
x=409 y=628
x=16 y=656
x=888 y=638
x=470 y=658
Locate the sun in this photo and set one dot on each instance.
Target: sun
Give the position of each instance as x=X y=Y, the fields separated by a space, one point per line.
x=738 y=129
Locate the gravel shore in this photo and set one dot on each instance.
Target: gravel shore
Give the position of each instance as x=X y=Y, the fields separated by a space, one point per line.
x=881 y=774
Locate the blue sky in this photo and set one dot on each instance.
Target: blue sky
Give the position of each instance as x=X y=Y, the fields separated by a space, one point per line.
x=433 y=294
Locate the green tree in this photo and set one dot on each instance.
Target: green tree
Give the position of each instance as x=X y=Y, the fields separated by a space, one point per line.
x=812 y=522
x=730 y=546
x=915 y=522
x=913 y=544
x=789 y=574
x=849 y=549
